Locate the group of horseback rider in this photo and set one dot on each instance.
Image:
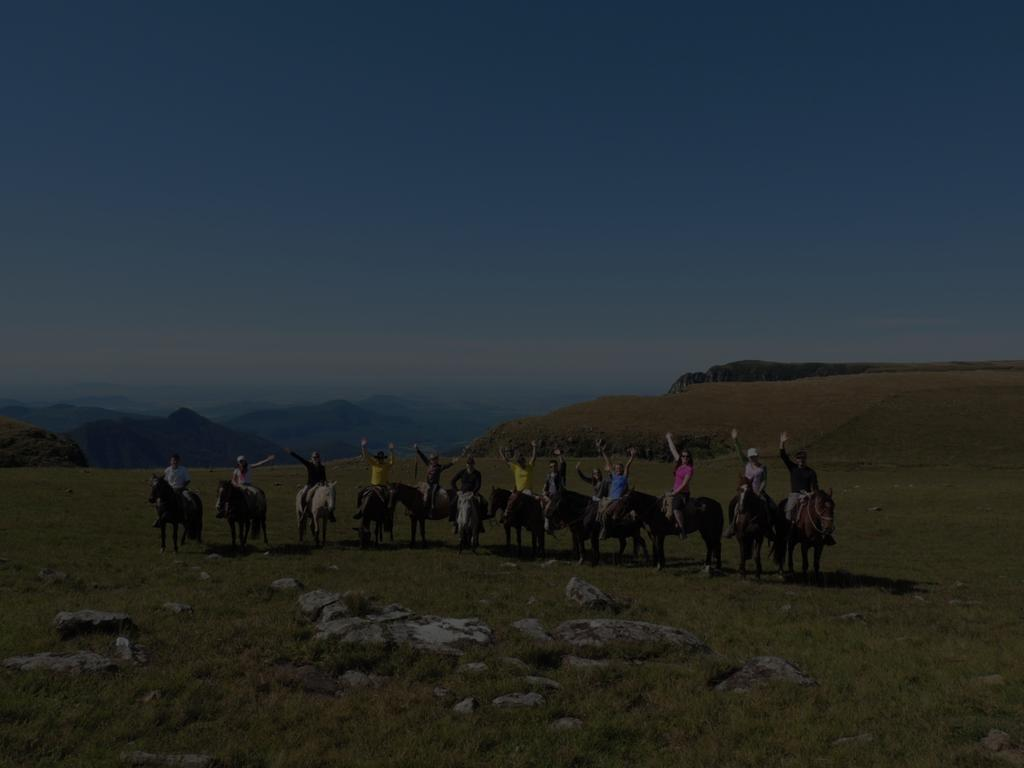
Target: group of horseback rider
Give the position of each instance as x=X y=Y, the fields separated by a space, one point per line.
x=607 y=485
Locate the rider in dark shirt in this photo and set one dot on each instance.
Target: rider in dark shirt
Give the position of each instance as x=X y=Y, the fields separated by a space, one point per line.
x=316 y=474
x=434 y=470
x=468 y=479
x=802 y=479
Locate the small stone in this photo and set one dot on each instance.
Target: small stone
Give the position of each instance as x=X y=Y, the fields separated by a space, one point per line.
x=566 y=724
x=204 y=576
x=70 y=623
x=600 y=632
x=473 y=667
x=786 y=608
x=512 y=661
x=515 y=700
x=549 y=563
x=213 y=556
x=874 y=509
x=285 y=584
x=441 y=692
x=126 y=650
x=586 y=594
x=860 y=738
x=578 y=662
x=532 y=601
x=533 y=629
x=509 y=565
x=150 y=696
x=990 y=680
x=997 y=741
x=543 y=682
x=333 y=567
x=760 y=671
x=52 y=577
x=466 y=706
x=178 y=607
x=143 y=759
x=851 y=617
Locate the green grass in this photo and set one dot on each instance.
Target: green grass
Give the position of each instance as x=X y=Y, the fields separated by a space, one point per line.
x=904 y=675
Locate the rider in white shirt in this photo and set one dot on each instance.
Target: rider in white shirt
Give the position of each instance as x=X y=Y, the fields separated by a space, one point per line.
x=177 y=477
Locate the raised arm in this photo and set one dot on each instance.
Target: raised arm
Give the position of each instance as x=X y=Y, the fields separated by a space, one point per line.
x=391 y=451
x=362 y=449
x=561 y=464
x=629 y=461
x=584 y=478
x=604 y=455
x=305 y=463
x=419 y=453
x=672 y=446
x=736 y=445
x=533 y=452
x=783 y=439
x=268 y=460
x=501 y=453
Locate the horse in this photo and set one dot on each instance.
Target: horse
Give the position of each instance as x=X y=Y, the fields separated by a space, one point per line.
x=316 y=513
x=245 y=507
x=467 y=520
x=413 y=498
x=376 y=503
x=752 y=523
x=520 y=510
x=702 y=514
x=812 y=526
x=184 y=509
x=579 y=513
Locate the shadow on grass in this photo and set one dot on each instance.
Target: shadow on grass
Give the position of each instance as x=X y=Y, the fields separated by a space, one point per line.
x=847 y=580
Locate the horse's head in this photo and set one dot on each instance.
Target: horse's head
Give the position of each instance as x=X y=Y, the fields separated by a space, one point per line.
x=825 y=508
x=157 y=487
x=223 y=495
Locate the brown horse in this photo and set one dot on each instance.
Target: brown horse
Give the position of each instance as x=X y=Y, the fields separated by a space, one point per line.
x=521 y=510
x=413 y=498
x=579 y=513
x=752 y=523
x=701 y=514
x=813 y=524
x=176 y=509
x=234 y=505
x=376 y=504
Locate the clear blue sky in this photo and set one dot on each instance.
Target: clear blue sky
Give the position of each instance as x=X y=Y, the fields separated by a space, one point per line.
x=593 y=195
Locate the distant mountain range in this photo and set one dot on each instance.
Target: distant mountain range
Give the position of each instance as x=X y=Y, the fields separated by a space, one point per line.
x=117 y=439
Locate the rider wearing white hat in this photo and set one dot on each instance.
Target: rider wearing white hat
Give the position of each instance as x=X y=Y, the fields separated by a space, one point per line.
x=242 y=476
x=754 y=471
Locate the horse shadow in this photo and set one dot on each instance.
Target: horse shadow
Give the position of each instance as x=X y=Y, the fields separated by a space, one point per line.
x=846 y=580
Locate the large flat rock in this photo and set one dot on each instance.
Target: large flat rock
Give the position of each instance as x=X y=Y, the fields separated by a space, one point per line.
x=70 y=623
x=312 y=603
x=761 y=671
x=586 y=594
x=80 y=661
x=428 y=633
x=533 y=629
x=599 y=632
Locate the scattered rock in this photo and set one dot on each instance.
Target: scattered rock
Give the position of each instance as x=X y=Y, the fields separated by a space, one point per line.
x=428 y=633
x=586 y=594
x=213 y=556
x=309 y=678
x=353 y=678
x=874 y=509
x=70 y=623
x=204 y=576
x=126 y=650
x=443 y=693
x=80 y=661
x=543 y=682
x=578 y=662
x=760 y=671
x=860 y=738
x=786 y=608
x=334 y=611
x=512 y=700
x=388 y=613
x=281 y=585
x=333 y=567
x=532 y=601
x=150 y=696
x=518 y=664
x=990 y=680
x=599 y=632
x=176 y=761
x=466 y=706
x=178 y=607
x=567 y=724
x=548 y=563
x=533 y=629
x=509 y=565
x=473 y=667
x=312 y=603
x=851 y=617
x=997 y=741
x=52 y=577
x=964 y=602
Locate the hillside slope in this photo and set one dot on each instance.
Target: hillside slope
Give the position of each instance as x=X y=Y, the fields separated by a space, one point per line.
x=62 y=417
x=945 y=417
x=25 y=445
x=125 y=443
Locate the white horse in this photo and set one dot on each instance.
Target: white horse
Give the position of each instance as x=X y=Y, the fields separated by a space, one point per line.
x=468 y=521
x=321 y=507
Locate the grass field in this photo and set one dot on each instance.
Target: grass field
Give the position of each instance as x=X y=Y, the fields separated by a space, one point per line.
x=937 y=575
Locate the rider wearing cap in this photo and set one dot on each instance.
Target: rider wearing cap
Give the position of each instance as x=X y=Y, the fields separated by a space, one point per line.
x=242 y=476
x=380 y=473
x=755 y=473
x=316 y=474
x=802 y=479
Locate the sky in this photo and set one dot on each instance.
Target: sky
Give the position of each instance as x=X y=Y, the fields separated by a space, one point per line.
x=505 y=196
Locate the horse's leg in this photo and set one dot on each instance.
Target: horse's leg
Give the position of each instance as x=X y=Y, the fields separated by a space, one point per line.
x=595 y=546
x=803 y=558
x=790 y=546
x=412 y=532
x=423 y=531
x=163 y=539
x=174 y=537
x=519 y=542
x=757 y=556
x=818 y=546
x=265 y=539
x=643 y=545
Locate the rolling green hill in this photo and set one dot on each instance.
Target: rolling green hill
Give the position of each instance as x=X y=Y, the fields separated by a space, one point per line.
x=24 y=445
x=918 y=418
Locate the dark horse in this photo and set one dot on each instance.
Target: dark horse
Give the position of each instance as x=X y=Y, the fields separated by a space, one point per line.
x=701 y=514
x=411 y=497
x=814 y=522
x=752 y=520
x=173 y=508
x=245 y=509
x=377 y=505
x=579 y=513
x=521 y=510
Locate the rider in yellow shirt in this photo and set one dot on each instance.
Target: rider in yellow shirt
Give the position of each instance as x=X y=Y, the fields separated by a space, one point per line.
x=380 y=472
x=521 y=470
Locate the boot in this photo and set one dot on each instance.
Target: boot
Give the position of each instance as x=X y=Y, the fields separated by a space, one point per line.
x=731 y=530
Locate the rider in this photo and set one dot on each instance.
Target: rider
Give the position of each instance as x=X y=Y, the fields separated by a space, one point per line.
x=521 y=471
x=466 y=480
x=597 y=481
x=380 y=471
x=178 y=478
x=554 y=484
x=434 y=470
x=802 y=479
x=242 y=476
x=681 y=483
x=316 y=474
x=755 y=473
x=618 y=485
